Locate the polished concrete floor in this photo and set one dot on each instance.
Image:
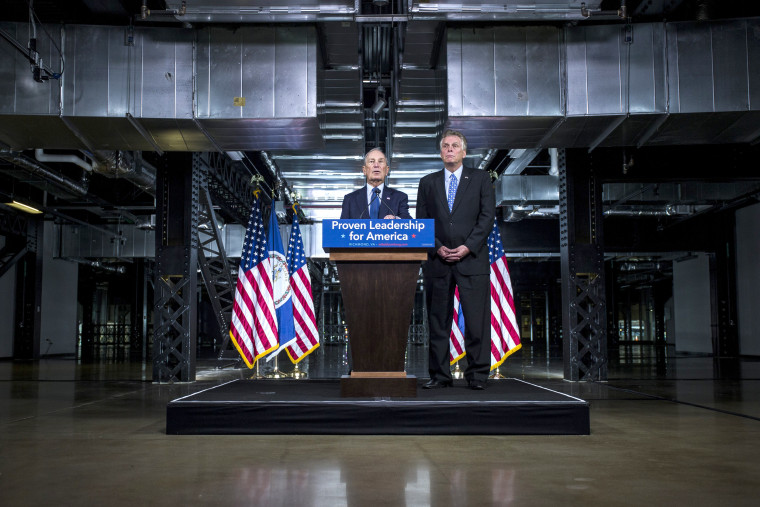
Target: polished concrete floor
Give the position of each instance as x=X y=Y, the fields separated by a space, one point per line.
x=664 y=431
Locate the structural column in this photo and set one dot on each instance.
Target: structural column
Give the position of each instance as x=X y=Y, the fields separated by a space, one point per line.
x=584 y=312
x=176 y=278
x=141 y=311
x=26 y=337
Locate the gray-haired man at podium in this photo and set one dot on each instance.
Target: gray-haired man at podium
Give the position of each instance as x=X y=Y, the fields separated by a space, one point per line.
x=375 y=199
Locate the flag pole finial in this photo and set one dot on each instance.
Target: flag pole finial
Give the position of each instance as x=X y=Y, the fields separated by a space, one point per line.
x=296 y=198
x=256 y=181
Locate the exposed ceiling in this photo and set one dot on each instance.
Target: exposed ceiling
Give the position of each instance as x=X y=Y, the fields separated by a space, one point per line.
x=365 y=51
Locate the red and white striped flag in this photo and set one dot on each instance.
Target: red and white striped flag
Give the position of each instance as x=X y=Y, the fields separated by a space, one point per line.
x=253 y=328
x=505 y=336
x=307 y=336
x=456 y=338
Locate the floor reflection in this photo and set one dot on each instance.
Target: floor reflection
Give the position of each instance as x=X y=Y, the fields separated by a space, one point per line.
x=665 y=429
x=373 y=481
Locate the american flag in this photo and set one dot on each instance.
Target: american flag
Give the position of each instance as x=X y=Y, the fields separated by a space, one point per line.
x=254 y=327
x=456 y=338
x=307 y=336
x=505 y=338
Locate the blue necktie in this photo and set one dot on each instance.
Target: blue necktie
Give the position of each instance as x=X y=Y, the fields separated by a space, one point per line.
x=452 y=190
x=374 y=207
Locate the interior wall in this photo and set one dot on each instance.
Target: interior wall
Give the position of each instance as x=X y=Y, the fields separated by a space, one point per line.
x=7 y=309
x=59 y=299
x=691 y=305
x=748 y=279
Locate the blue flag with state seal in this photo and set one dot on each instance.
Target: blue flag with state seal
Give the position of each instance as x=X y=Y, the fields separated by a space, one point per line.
x=283 y=301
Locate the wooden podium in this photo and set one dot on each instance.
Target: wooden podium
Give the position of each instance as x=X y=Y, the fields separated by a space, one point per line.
x=378 y=286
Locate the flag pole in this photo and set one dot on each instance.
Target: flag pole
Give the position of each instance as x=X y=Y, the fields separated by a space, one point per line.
x=276 y=373
x=258 y=374
x=256 y=181
x=298 y=373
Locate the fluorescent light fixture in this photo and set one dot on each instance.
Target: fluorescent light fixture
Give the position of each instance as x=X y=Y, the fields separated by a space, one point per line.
x=23 y=207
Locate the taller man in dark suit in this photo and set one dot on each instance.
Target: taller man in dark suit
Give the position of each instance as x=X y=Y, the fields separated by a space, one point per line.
x=375 y=200
x=463 y=204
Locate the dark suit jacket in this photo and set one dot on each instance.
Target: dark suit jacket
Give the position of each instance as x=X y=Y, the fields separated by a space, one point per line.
x=393 y=202
x=469 y=223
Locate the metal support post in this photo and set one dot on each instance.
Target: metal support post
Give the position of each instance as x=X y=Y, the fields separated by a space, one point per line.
x=176 y=281
x=212 y=258
x=584 y=312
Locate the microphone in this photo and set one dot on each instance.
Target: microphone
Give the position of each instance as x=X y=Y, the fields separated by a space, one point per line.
x=375 y=194
x=388 y=207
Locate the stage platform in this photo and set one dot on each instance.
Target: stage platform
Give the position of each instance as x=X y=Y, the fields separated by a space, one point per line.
x=303 y=407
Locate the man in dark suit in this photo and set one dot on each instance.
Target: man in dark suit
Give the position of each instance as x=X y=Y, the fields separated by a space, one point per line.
x=375 y=200
x=461 y=200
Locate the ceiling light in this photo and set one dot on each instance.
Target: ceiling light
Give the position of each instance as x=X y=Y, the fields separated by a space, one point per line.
x=380 y=102
x=378 y=106
x=23 y=207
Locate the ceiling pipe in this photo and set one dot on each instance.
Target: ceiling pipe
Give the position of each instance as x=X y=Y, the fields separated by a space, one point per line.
x=32 y=166
x=40 y=155
x=97 y=264
x=669 y=210
x=145 y=13
x=554 y=164
x=621 y=13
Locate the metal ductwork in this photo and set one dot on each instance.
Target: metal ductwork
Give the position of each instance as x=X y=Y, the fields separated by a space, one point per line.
x=692 y=192
x=165 y=89
x=540 y=190
x=129 y=166
x=273 y=88
x=50 y=180
x=524 y=196
x=606 y=85
x=309 y=11
x=515 y=213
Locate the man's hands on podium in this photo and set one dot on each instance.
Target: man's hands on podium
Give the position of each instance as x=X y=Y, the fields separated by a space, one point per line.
x=453 y=254
x=389 y=217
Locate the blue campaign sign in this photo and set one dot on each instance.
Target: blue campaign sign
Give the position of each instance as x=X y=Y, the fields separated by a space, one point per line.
x=378 y=233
